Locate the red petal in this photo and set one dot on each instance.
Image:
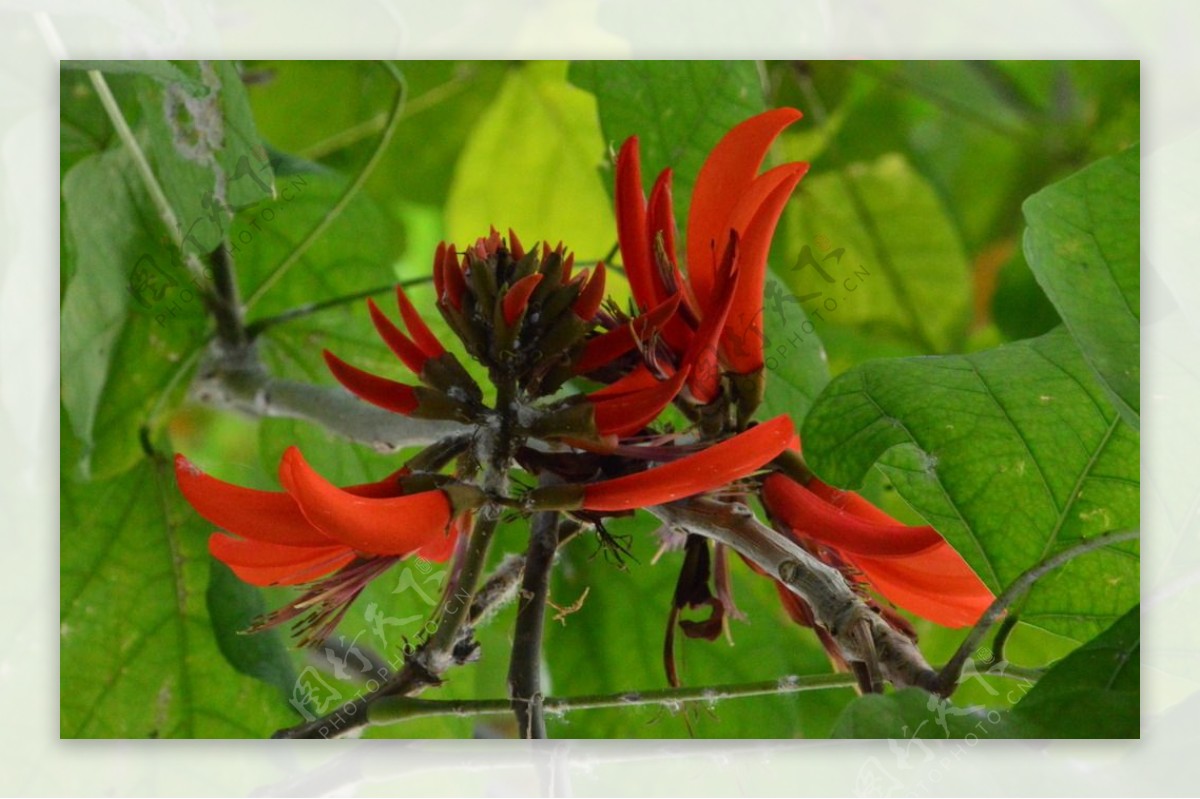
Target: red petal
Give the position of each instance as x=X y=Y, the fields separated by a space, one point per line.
x=704 y=471
x=263 y=564
x=388 y=394
x=702 y=352
x=605 y=348
x=627 y=413
x=517 y=297
x=395 y=526
x=588 y=302
x=755 y=219
x=420 y=332
x=441 y=548
x=514 y=245
x=662 y=220
x=632 y=231
x=408 y=352
x=439 y=281
x=810 y=516
x=727 y=173
x=453 y=282
x=937 y=585
x=640 y=379
x=268 y=516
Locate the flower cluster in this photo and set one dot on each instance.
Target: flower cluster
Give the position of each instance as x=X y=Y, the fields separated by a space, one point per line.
x=534 y=323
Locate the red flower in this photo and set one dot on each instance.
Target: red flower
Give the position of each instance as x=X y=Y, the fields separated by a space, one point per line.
x=707 y=470
x=314 y=530
x=731 y=223
x=912 y=567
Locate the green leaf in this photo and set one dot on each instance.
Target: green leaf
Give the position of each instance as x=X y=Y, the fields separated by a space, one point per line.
x=1013 y=454
x=234 y=606
x=796 y=366
x=878 y=252
x=530 y=163
x=205 y=153
x=1091 y=693
x=913 y=713
x=678 y=110
x=1095 y=692
x=1083 y=246
x=131 y=317
x=136 y=646
x=162 y=71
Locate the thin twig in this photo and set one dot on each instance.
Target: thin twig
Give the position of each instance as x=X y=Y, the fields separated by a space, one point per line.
x=525 y=666
x=396 y=709
x=258 y=326
x=351 y=191
x=948 y=677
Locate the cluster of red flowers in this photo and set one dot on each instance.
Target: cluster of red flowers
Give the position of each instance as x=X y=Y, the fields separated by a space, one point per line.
x=528 y=316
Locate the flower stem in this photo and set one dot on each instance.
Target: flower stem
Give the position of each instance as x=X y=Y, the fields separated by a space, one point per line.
x=524 y=673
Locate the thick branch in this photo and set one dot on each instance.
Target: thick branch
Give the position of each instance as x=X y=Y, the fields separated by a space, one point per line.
x=524 y=673
x=952 y=671
x=861 y=633
x=234 y=379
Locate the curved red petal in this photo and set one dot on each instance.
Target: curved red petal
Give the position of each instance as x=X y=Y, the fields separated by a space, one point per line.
x=453 y=282
x=702 y=351
x=755 y=219
x=728 y=171
x=517 y=297
x=607 y=347
x=422 y=336
x=408 y=352
x=632 y=227
x=588 y=302
x=514 y=245
x=441 y=548
x=387 y=394
x=661 y=220
x=626 y=413
x=640 y=379
x=937 y=585
x=264 y=564
x=810 y=516
x=268 y=516
x=704 y=471
x=395 y=526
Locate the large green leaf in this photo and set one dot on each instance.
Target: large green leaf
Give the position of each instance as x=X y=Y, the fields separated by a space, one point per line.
x=1083 y=246
x=1013 y=454
x=794 y=358
x=1091 y=693
x=878 y=252
x=678 y=110
x=530 y=163
x=137 y=651
x=1094 y=692
x=131 y=316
